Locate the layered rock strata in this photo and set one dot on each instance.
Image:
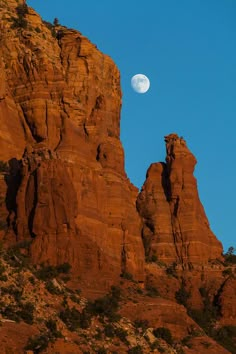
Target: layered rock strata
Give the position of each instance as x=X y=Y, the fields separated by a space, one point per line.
x=60 y=102
x=175 y=227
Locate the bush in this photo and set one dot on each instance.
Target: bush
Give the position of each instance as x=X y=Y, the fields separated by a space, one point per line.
x=101 y=351
x=63 y=268
x=171 y=270
x=143 y=324
x=226 y=337
x=38 y=343
x=52 y=288
x=127 y=276
x=182 y=295
x=13 y=291
x=10 y=312
x=51 y=27
x=164 y=333
x=20 y=21
x=186 y=341
x=227 y=271
x=3 y=167
x=121 y=334
x=27 y=312
x=152 y=291
x=22 y=10
x=151 y=258
x=230 y=257
x=73 y=319
x=15 y=257
x=135 y=350
x=107 y=305
x=52 y=327
x=50 y=272
x=109 y=330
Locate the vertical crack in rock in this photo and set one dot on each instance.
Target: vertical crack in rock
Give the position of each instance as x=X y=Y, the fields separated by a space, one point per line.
x=169 y=202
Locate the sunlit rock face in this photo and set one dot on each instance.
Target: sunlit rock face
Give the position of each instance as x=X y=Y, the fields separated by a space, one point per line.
x=175 y=227
x=60 y=102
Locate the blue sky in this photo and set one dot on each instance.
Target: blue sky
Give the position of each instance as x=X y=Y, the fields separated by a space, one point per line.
x=188 y=51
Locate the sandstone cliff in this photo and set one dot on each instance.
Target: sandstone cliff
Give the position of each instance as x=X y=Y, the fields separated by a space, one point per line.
x=175 y=228
x=65 y=198
x=60 y=125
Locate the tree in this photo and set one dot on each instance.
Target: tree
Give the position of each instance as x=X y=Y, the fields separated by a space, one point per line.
x=55 y=21
x=230 y=251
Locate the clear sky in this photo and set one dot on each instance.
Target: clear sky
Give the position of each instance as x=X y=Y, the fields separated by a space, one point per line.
x=187 y=48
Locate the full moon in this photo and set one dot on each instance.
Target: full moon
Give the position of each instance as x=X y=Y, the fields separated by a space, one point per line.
x=140 y=83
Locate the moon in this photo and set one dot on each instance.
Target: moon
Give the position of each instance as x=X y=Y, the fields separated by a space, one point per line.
x=140 y=83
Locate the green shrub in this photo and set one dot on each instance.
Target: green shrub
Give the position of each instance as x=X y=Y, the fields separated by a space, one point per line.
x=51 y=27
x=227 y=271
x=164 y=333
x=226 y=337
x=4 y=166
x=26 y=313
x=52 y=288
x=143 y=324
x=50 y=272
x=109 y=330
x=52 y=327
x=20 y=21
x=22 y=10
x=10 y=312
x=135 y=350
x=73 y=319
x=151 y=258
x=186 y=341
x=55 y=22
x=182 y=295
x=152 y=291
x=16 y=258
x=38 y=343
x=3 y=277
x=121 y=334
x=107 y=305
x=171 y=270
x=127 y=276
x=230 y=256
x=63 y=268
x=156 y=345
x=13 y=291
x=75 y=299
x=101 y=351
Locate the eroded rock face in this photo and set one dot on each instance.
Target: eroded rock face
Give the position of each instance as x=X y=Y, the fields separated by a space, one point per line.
x=175 y=228
x=227 y=301
x=60 y=97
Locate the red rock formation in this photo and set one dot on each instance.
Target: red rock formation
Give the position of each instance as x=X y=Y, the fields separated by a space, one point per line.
x=175 y=228
x=61 y=99
x=227 y=301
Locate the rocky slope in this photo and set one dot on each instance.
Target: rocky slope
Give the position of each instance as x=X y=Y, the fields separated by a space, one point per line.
x=65 y=199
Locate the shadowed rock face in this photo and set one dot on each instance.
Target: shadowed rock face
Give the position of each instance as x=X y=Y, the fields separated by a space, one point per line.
x=175 y=228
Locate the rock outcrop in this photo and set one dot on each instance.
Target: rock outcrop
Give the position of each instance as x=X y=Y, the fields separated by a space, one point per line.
x=60 y=105
x=175 y=228
x=65 y=198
